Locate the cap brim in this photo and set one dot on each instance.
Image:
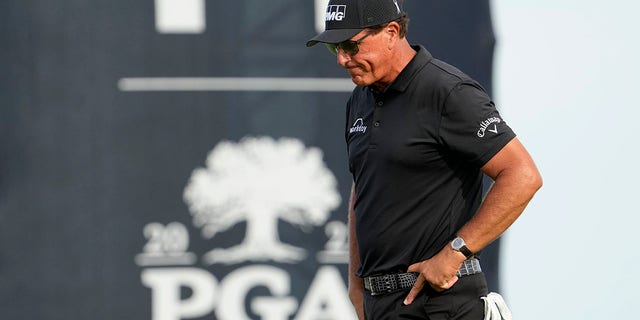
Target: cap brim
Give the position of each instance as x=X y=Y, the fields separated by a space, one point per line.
x=333 y=36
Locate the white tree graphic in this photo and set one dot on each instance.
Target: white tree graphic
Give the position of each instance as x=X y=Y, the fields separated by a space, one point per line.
x=260 y=180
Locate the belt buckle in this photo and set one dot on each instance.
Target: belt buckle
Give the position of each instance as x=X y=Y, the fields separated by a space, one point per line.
x=367 y=283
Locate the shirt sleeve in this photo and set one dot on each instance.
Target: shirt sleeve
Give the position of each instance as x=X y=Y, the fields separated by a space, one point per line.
x=471 y=127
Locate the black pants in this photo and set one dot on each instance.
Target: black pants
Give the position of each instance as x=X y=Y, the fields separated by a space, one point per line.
x=460 y=302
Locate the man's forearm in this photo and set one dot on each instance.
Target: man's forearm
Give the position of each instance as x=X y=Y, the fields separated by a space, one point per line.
x=514 y=186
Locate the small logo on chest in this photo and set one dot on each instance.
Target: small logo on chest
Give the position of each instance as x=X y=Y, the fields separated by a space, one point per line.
x=358 y=126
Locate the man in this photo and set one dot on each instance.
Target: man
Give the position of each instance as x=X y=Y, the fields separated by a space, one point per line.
x=420 y=133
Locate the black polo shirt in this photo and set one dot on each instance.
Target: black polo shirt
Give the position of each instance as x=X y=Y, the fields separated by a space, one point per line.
x=415 y=153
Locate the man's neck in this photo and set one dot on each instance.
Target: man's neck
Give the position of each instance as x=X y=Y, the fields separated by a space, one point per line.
x=403 y=55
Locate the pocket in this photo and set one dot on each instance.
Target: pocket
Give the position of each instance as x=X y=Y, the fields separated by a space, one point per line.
x=460 y=301
x=414 y=310
x=440 y=305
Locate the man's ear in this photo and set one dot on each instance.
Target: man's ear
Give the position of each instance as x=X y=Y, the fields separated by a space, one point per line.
x=392 y=33
x=392 y=30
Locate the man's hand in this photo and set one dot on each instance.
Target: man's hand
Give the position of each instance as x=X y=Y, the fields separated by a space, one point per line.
x=439 y=272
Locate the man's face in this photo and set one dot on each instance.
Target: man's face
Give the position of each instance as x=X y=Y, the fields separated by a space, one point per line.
x=371 y=64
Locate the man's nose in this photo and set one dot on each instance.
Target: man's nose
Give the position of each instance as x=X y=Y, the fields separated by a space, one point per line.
x=342 y=57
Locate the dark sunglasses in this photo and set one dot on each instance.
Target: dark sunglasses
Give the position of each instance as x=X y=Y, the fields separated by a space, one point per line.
x=348 y=46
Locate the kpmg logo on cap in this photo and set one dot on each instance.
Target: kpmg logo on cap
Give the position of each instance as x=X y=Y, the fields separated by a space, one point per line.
x=335 y=12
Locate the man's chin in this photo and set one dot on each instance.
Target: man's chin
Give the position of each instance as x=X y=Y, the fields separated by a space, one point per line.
x=360 y=81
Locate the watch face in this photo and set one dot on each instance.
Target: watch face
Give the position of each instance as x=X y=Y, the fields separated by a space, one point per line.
x=457 y=243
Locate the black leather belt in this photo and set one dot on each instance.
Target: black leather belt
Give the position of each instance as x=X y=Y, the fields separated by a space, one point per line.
x=387 y=283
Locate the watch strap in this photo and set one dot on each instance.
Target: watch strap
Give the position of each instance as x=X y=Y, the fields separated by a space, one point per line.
x=467 y=253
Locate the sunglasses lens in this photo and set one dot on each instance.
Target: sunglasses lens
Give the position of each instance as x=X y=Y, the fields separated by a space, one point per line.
x=350 y=47
x=333 y=48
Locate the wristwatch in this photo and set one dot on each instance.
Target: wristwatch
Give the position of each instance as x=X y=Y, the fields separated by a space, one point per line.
x=458 y=244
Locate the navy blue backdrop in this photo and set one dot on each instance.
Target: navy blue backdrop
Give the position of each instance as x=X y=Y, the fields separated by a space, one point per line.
x=95 y=218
